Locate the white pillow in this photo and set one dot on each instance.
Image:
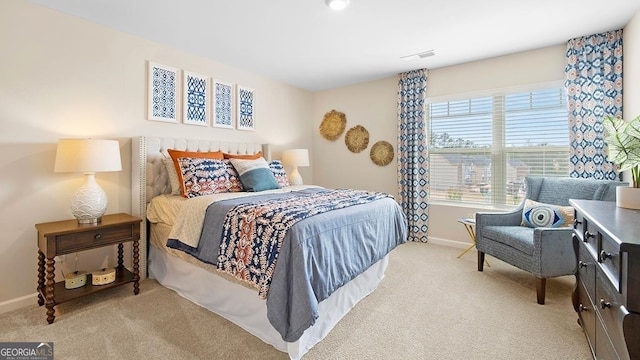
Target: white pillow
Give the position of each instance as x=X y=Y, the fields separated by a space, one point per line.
x=173 y=176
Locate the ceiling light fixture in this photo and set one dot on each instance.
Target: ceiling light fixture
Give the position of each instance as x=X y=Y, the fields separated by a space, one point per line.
x=421 y=55
x=337 y=4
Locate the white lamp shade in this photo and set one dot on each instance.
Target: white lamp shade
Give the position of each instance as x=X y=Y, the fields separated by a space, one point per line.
x=295 y=157
x=87 y=155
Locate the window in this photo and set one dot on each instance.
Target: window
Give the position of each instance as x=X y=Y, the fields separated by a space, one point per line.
x=482 y=147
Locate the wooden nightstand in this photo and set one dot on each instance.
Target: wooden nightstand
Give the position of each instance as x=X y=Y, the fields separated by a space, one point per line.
x=65 y=237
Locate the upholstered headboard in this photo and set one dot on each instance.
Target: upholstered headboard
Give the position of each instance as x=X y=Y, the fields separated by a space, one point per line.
x=149 y=177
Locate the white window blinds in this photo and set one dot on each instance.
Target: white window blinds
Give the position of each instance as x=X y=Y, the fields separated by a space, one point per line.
x=482 y=147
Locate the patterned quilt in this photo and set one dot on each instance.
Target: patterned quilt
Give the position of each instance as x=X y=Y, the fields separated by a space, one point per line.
x=253 y=232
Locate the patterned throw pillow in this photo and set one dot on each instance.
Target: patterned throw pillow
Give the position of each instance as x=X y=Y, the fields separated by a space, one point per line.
x=202 y=176
x=255 y=175
x=176 y=154
x=279 y=173
x=536 y=214
x=234 y=177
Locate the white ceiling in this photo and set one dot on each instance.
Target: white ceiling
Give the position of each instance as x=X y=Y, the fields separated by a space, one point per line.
x=305 y=44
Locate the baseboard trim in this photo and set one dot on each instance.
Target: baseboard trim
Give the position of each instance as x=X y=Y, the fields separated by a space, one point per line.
x=18 y=303
x=449 y=243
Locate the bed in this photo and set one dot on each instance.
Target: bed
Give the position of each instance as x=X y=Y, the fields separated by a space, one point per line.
x=292 y=313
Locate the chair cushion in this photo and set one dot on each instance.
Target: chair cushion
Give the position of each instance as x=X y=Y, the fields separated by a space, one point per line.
x=518 y=237
x=536 y=214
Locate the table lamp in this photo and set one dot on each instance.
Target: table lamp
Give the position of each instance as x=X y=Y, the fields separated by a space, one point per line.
x=88 y=156
x=294 y=158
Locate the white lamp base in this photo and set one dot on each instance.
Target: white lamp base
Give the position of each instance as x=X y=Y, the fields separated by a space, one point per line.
x=89 y=202
x=294 y=177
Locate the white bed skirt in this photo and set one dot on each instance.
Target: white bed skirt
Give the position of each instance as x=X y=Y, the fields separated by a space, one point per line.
x=242 y=306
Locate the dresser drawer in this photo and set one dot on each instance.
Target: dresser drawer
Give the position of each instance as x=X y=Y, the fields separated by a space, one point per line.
x=93 y=238
x=587 y=314
x=609 y=258
x=590 y=236
x=578 y=225
x=587 y=271
x=604 y=346
x=609 y=304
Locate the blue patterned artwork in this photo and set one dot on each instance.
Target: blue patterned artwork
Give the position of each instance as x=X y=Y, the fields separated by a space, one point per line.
x=222 y=104
x=246 y=108
x=163 y=93
x=195 y=99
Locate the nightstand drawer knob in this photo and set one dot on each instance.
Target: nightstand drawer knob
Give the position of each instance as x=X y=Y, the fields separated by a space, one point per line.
x=576 y=222
x=583 y=308
x=582 y=264
x=97 y=236
x=604 y=304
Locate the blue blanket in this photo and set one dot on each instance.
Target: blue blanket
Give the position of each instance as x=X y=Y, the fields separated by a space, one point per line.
x=317 y=256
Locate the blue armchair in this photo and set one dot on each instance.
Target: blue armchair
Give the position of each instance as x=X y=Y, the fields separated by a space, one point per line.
x=544 y=252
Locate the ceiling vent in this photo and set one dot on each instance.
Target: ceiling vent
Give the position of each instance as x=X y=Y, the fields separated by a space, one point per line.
x=420 y=55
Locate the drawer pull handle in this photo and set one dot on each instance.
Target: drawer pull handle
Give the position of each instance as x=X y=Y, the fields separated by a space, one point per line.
x=605 y=255
x=582 y=264
x=576 y=222
x=97 y=236
x=583 y=308
x=588 y=235
x=604 y=304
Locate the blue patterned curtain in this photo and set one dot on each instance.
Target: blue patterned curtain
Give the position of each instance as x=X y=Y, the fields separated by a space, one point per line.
x=593 y=80
x=413 y=162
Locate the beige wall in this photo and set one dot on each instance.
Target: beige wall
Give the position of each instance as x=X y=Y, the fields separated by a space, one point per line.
x=631 y=71
x=65 y=77
x=374 y=106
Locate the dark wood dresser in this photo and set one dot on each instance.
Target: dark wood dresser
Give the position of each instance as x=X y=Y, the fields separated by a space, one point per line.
x=607 y=294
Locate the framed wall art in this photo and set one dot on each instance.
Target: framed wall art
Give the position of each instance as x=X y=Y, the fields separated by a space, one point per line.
x=195 y=105
x=245 y=108
x=162 y=93
x=223 y=104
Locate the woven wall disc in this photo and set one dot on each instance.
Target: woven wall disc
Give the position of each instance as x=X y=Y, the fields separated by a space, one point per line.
x=333 y=125
x=357 y=139
x=381 y=153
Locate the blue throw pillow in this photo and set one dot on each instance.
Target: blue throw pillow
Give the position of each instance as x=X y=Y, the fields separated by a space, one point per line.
x=536 y=214
x=255 y=175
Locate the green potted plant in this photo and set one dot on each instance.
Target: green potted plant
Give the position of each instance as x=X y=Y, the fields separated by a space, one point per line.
x=623 y=141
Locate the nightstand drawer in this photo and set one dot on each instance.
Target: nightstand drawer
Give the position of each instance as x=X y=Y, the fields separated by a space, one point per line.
x=93 y=238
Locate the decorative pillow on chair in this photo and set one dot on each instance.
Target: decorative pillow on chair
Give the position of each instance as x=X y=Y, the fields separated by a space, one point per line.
x=536 y=214
x=206 y=176
x=255 y=175
x=279 y=173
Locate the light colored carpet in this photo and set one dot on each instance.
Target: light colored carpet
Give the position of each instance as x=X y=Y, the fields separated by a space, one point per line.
x=430 y=305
